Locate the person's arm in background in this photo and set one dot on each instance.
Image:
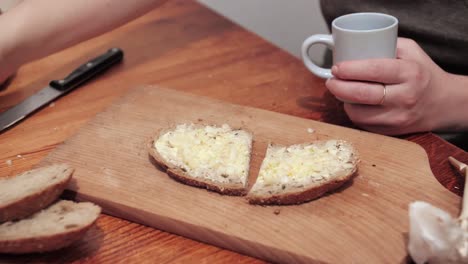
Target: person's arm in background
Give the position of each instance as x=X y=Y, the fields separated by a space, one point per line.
x=420 y=95
x=37 y=28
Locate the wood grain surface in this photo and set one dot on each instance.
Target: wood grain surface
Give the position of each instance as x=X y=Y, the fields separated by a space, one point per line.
x=113 y=169
x=187 y=47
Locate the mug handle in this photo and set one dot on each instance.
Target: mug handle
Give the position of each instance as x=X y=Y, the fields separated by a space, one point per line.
x=317 y=39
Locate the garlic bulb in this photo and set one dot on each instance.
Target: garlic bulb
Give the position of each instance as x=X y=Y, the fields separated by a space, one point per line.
x=435 y=237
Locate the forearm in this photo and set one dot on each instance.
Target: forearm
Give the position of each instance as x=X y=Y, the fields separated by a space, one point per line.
x=37 y=28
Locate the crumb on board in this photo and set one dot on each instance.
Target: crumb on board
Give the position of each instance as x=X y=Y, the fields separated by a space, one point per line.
x=373 y=165
x=277 y=211
x=9 y=162
x=310 y=130
x=19 y=156
x=365 y=194
x=374 y=184
x=52 y=104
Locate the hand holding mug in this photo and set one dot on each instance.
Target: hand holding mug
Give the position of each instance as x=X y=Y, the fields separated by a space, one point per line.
x=387 y=88
x=413 y=99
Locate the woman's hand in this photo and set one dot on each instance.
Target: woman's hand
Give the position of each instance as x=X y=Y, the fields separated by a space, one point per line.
x=6 y=70
x=35 y=29
x=403 y=95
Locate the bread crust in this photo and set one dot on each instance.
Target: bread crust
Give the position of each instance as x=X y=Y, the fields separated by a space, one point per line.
x=298 y=197
x=43 y=243
x=33 y=203
x=177 y=174
x=50 y=242
x=310 y=192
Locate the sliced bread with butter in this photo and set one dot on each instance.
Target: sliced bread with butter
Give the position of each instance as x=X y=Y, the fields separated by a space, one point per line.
x=52 y=228
x=300 y=173
x=31 y=191
x=213 y=157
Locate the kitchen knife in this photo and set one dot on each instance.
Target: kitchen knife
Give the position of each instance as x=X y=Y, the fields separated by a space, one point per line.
x=57 y=88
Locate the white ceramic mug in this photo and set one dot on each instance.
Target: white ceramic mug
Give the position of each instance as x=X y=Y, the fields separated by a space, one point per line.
x=355 y=37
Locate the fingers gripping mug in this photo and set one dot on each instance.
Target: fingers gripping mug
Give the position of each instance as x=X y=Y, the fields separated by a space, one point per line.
x=355 y=37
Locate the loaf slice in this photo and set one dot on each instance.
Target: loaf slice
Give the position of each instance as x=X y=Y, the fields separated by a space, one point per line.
x=213 y=157
x=53 y=228
x=31 y=191
x=300 y=173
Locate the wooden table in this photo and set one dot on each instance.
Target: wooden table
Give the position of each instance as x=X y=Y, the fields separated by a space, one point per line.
x=184 y=46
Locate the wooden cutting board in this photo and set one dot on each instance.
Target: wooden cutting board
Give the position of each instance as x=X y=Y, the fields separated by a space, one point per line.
x=364 y=222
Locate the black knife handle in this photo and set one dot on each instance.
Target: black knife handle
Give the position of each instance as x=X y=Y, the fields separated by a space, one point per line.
x=88 y=70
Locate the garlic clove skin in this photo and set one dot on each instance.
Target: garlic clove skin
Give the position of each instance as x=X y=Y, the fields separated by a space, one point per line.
x=435 y=237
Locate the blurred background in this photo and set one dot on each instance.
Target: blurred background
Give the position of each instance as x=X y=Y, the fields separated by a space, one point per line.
x=7 y=4
x=284 y=23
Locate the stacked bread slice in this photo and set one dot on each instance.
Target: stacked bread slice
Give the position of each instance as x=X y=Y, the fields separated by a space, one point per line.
x=218 y=158
x=30 y=218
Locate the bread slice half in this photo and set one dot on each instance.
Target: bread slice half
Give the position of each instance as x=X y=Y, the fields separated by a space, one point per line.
x=31 y=191
x=53 y=228
x=300 y=173
x=213 y=157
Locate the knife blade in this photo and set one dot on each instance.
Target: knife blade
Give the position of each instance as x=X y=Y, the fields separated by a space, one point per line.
x=57 y=88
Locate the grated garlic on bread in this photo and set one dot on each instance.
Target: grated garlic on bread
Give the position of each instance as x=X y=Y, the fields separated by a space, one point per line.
x=31 y=191
x=300 y=173
x=52 y=228
x=212 y=157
